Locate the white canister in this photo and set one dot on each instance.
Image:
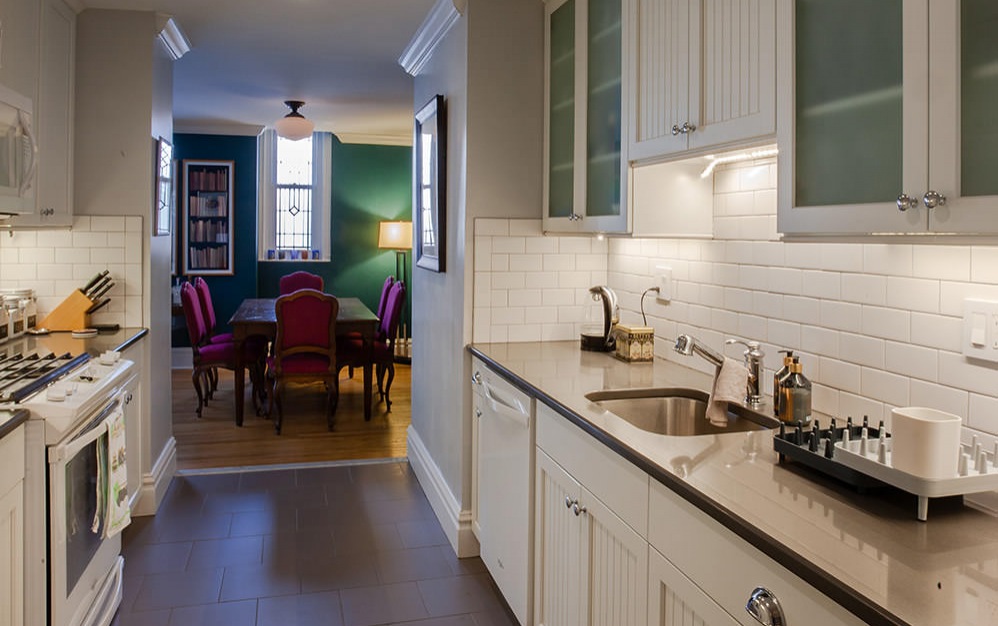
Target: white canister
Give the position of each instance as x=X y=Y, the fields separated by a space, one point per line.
x=925 y=442
x=15 y=311
x=4 y=324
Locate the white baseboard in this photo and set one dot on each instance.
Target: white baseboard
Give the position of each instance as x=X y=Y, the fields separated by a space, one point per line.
x=181 y=358
x=455 y=522
x=156 y=482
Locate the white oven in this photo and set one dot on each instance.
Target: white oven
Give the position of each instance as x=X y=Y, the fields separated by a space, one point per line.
x=78 y=421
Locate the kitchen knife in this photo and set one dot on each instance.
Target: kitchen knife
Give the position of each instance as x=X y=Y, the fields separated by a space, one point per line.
x=92 y=294
x=94 y=281
x=98 y=306
x=103 y=289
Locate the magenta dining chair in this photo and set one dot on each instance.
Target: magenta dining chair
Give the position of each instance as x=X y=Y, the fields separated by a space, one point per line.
x=300 y=280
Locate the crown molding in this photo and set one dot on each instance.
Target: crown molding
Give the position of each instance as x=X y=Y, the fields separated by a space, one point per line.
x=441 y=18
x=374 y=139
x=172 y=38
x=217 y=128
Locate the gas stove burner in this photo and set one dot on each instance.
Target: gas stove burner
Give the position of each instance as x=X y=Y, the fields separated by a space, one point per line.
x=23 y=375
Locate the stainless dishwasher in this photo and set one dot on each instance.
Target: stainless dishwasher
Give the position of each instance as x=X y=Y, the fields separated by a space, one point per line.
x=505 y=485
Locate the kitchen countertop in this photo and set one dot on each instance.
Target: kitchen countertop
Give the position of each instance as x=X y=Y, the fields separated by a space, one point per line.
x=866 y=551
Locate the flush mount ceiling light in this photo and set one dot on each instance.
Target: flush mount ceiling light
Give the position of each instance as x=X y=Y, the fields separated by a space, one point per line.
x=294 y=126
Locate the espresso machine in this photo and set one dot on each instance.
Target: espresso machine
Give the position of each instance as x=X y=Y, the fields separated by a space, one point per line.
x=597 y=335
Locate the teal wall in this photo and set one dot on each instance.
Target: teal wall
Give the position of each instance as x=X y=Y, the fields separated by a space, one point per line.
x=370 y=184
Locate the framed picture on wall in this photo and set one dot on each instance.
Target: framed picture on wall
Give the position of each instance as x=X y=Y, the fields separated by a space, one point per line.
x=163 y=212
x=430 y=184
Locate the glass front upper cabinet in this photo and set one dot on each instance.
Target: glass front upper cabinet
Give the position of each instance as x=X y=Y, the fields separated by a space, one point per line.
x=890 y=134
x=584 y=162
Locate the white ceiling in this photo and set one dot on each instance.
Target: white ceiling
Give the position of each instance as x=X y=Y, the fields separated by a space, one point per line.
x=248 y=56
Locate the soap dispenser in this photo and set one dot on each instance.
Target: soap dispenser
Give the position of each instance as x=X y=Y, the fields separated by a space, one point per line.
x=778 y=375
x=795 y=395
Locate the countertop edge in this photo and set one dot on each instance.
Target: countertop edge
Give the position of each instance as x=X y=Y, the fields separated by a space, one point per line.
x=20 y=416
x=133 y=339
x=862 y=607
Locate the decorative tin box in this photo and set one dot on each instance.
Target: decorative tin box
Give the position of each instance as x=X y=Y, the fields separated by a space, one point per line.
x=634 y=343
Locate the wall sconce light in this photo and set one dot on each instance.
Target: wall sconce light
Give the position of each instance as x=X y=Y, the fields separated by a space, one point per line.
x=294 y=126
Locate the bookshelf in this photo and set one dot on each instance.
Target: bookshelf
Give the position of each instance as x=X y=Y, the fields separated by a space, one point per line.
x=208 y=216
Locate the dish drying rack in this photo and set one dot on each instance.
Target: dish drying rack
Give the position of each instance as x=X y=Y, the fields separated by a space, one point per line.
x=861 y=456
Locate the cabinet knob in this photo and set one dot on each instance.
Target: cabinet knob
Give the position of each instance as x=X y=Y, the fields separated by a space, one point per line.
x=932 y=199
x=578 y=510
x=906 y=202
x=476 y=378
x=685 y=129
x=765 y=608
x=574 y=217
x=569 y=502
x=478 y=412
x=675 y=130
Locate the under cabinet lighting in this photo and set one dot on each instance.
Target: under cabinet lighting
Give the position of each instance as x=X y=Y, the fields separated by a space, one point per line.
x=734 y=158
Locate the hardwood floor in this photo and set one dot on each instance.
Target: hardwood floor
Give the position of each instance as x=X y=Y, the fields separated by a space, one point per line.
x=215 y=440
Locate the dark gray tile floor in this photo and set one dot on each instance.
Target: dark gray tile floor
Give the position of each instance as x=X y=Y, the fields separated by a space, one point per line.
x=350 y=545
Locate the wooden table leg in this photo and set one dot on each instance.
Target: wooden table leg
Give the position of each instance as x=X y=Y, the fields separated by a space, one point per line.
x=368 y=375
x=240 y=379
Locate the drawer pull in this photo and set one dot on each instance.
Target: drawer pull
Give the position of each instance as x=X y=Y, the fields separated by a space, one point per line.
x=765 y=608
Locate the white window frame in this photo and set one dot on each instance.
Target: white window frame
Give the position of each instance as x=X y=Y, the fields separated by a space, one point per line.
x=322 y=168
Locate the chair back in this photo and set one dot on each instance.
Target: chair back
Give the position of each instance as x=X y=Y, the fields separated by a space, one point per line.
x=389 y=325
x=299 y=280
x=207 y=307
x=306 y=329
x=193 y=315
x=383 y=300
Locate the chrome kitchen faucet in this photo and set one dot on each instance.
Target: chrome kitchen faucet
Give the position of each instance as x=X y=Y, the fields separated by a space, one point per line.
x=687 y=345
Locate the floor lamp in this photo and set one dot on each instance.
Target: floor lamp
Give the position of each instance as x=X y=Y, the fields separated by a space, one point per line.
x=397 y=236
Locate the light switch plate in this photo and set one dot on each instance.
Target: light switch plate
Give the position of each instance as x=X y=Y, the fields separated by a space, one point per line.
x=980 y=329
x=663 y=280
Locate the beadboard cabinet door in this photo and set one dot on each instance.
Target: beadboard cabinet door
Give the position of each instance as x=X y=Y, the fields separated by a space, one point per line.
x=703 y=75
x=674 y=600
x=591 y=568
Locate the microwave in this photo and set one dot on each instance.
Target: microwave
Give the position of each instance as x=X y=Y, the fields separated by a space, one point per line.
x=18 y=153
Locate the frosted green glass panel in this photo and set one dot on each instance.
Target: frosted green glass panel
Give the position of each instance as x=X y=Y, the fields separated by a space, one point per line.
x=561 y=114
x=848 y=142
x=603 y=109
x=979 y=98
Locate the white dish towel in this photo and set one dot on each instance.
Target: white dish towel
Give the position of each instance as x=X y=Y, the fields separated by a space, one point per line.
x=118 y=512
x=729 y=386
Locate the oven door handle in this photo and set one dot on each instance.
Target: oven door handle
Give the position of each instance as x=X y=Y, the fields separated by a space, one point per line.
x=93 y=432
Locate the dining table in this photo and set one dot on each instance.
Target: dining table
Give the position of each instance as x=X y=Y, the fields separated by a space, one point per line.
x=258 y=316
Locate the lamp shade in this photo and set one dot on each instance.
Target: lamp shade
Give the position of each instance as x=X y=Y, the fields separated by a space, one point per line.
x=396 y=235
x=294 y=126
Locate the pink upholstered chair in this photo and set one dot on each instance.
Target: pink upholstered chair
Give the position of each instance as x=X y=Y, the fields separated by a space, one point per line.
x=207 y=355
x=304 y=348
x=380 y=312
x=208 y=311
x=383 y=354
x=300 y=280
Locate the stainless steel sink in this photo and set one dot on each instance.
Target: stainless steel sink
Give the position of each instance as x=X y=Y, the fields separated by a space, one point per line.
x=676 y=411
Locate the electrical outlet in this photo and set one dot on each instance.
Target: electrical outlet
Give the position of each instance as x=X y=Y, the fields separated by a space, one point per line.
x=663 y=280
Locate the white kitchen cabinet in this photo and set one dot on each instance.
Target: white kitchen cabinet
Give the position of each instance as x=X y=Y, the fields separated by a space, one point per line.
x=703 y=75
x=12 y=529
x=19 y=46
x=584 y=114
x=728 y=570
x=591 y=556
x=503 y=514
x=54 y=117
x=888 y=135
x=673 y=599
x=133 y=438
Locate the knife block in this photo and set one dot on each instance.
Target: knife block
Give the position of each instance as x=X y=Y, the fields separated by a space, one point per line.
x=71 y=314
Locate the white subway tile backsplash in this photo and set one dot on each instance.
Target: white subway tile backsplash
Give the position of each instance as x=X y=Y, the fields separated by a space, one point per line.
x=914 y=294
x=827 y=285
x=886 y=323
x=876 y=325
x=939 y=397
x=524 y=262
x=942 y=262
x=984 y=264
x=483 y=254
x=508 y=245
x=498 y=298
x=508 y=280
x=492 y=227
x=884 y=386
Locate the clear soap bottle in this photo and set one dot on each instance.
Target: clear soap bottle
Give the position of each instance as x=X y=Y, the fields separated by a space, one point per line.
x=795 y=396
